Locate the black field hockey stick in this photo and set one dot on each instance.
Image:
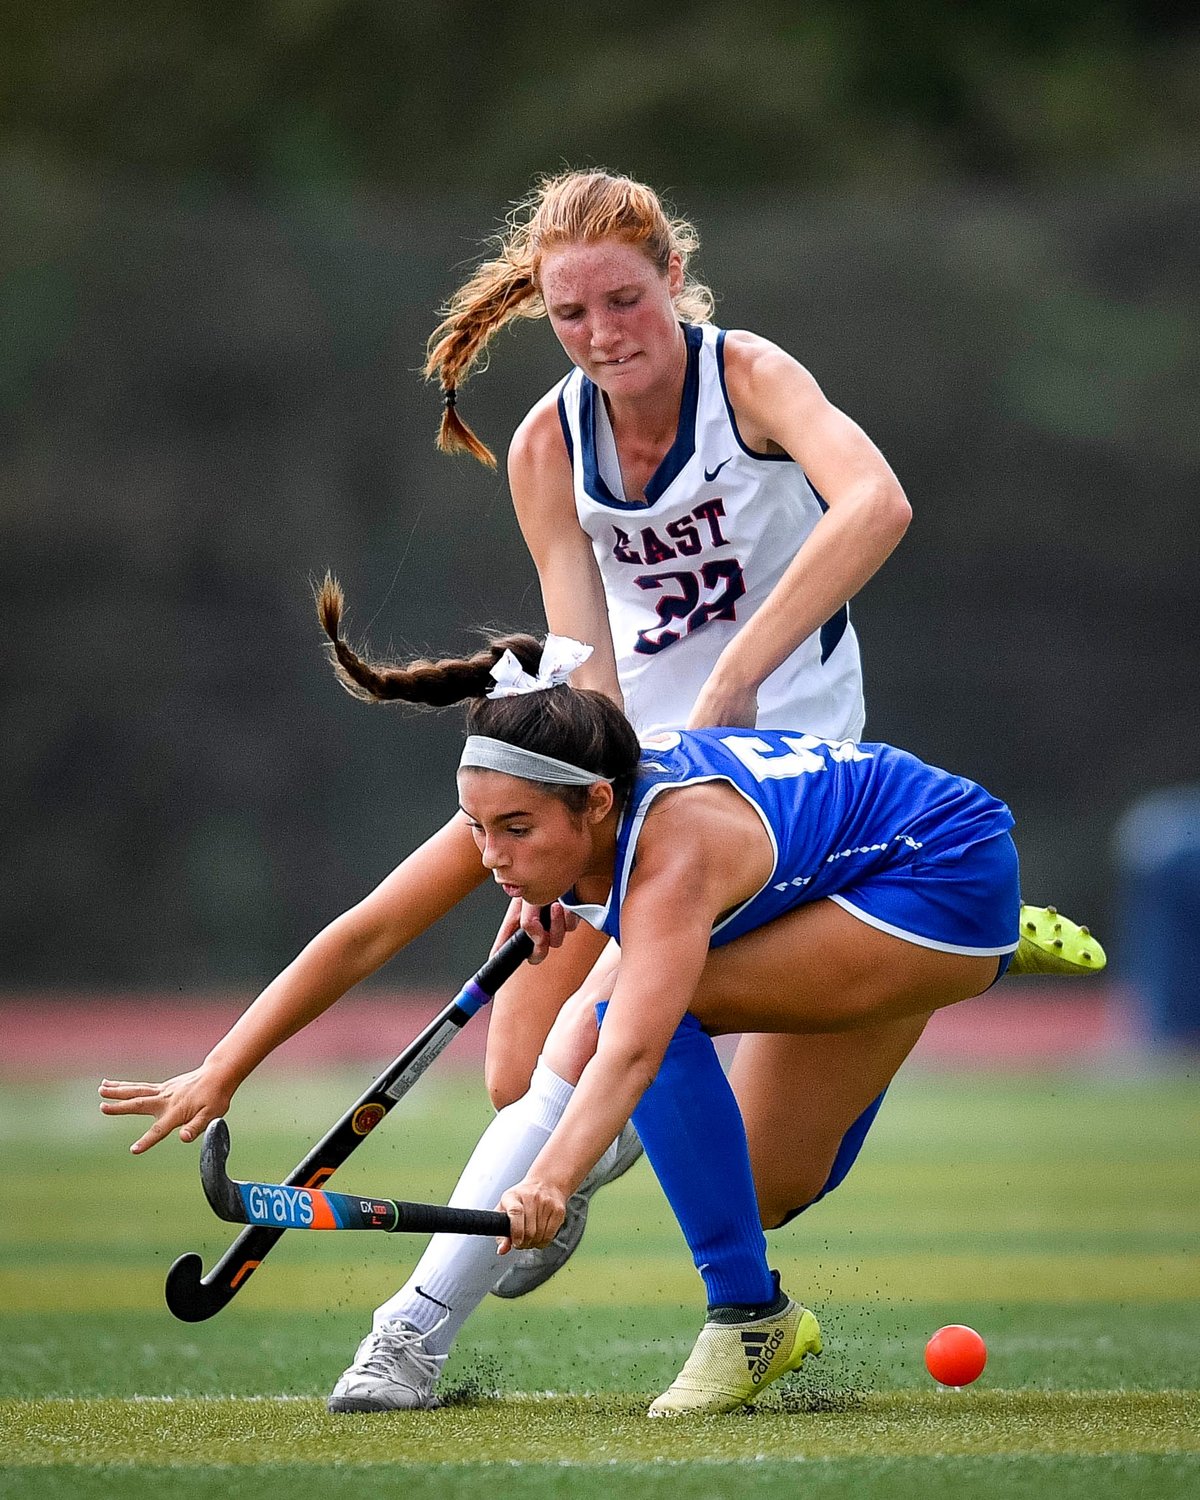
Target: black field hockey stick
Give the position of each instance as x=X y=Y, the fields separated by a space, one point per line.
x=191 y=1295
x=277 y=1206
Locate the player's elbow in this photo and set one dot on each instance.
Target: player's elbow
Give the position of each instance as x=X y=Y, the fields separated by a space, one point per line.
x=360 y=943
x=635 y=1063
x=890 y=508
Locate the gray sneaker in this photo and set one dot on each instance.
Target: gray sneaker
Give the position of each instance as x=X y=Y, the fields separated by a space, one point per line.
x=523 y=1270
x=392 y=1371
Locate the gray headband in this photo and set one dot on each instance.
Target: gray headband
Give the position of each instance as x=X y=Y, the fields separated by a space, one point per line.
x=486 y=754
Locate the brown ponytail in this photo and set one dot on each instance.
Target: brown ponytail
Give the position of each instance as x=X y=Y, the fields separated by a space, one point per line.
x=432 y=684
x=572 y=724
x=492 y=297
x=573 y=207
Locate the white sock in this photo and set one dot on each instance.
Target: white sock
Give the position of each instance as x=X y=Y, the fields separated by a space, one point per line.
x=457 y=1271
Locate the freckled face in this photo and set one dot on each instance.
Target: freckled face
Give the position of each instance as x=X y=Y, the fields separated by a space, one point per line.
x=612 y=310
x=530 y=842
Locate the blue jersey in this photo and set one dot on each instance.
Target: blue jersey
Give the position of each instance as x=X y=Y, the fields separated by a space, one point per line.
x=893 y=840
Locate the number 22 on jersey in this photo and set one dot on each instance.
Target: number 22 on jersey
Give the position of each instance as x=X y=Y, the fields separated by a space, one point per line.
x=721 y=579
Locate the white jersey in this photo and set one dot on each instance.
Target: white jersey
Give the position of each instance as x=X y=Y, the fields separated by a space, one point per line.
x=686 y=567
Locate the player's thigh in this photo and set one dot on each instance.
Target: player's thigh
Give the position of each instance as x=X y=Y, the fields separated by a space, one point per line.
x=819 y=968
x=799 y=1095
x=525 y=1008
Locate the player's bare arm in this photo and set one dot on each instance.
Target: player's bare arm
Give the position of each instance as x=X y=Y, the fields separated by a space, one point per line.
x=781 y=409
x=539 y=474
x=703 y=851
x=426 y=885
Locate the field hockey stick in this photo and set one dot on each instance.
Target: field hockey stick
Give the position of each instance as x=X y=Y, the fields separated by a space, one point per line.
x=278 y=1206
x=191 y=1295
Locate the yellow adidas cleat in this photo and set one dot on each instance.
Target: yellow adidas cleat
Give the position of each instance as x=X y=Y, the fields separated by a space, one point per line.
x=733 y=1362
x=1053 y=944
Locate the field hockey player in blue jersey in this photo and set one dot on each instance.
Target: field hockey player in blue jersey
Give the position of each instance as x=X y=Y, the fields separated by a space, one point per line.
x=819 y=897
x=695 y=506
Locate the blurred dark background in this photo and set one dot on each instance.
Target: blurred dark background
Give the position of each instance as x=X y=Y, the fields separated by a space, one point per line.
x=226 y=231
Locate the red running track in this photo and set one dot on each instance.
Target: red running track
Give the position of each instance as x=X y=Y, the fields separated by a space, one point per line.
x=1027 y=1024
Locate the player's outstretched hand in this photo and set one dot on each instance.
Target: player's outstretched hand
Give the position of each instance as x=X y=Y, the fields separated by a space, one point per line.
x=535 y=1212
x=187 y=1103
x=528 y=919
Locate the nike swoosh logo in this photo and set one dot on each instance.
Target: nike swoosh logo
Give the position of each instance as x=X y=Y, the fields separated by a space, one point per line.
x=711 y=474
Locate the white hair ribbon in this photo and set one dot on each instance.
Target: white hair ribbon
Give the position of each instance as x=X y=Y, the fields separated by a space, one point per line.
x=560 y=656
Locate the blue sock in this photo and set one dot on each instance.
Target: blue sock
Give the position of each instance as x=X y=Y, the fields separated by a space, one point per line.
x=691 y=1127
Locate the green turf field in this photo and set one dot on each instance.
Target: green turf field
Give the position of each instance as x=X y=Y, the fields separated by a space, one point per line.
x=1058 y=1216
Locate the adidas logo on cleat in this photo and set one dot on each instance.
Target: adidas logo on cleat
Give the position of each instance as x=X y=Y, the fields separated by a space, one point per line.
x=732 y=1363
x=760 y=1349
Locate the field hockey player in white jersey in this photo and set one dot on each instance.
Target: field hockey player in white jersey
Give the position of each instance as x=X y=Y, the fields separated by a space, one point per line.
x=821 y=897
x=694 y=505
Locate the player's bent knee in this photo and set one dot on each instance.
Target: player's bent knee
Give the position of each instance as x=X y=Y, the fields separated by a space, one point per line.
x=506 y=1082
x=572 y=1039
x=510 y=1061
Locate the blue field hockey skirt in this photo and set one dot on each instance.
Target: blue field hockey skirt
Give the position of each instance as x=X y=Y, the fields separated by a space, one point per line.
x=966 y=900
